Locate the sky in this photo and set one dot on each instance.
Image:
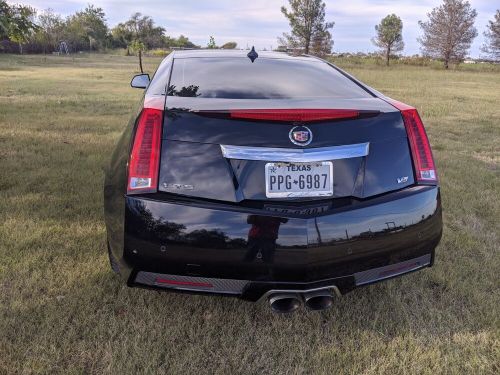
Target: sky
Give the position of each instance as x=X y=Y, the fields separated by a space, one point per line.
x=260 y=22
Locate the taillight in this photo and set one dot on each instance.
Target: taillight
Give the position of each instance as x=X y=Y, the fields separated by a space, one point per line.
x=145 y=156
x=423 y=161
x=300 y=115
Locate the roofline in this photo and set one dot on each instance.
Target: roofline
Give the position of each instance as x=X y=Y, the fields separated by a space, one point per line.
x=208 y=52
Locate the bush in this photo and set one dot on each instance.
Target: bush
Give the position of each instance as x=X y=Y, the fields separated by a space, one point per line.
x=158 y=52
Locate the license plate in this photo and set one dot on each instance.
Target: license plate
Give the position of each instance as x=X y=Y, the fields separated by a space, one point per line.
x=299 y=179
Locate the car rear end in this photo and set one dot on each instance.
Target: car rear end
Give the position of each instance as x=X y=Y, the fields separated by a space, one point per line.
x=279 y=177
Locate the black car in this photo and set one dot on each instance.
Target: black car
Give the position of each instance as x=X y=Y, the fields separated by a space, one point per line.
x=266 y=175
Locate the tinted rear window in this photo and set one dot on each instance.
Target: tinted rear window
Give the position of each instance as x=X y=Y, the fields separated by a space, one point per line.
x=239 y=78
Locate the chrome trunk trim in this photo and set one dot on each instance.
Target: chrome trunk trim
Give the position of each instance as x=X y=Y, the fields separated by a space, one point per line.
x=295 y=155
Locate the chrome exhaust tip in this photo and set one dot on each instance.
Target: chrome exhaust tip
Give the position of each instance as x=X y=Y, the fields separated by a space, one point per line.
x=318 y=300
x=284 y=303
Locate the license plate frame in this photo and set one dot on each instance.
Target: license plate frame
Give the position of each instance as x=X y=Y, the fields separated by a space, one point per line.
x=294 y=192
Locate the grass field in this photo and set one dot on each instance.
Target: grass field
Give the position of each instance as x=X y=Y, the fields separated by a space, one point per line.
x=63 y=311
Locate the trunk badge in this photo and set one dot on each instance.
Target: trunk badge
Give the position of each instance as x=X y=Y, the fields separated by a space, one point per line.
x=177 y=186
x=402 y=180
x=300 y=135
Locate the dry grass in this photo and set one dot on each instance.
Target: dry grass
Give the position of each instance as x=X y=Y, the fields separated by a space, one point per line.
x=63 y=311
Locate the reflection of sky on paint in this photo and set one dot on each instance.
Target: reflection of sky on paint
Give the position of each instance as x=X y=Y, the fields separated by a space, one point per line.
x=259 y=22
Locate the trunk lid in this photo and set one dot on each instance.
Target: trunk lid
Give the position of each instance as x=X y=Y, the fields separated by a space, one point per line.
x=194 y=129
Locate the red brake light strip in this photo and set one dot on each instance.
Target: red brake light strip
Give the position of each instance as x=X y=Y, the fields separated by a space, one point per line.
x=300 y=115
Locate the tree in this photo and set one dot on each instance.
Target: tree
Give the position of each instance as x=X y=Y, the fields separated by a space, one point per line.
x=87 y=28
x=229 y=45
x=50 y=30
x=139 y=47
x=184 y=42
x=20 y=24
x=121 y=37
x=144 y=34
x=180 y=42
x=5 y=17
x=389 y=35
x=322 y=43
x=144 y=30
x=307 y=20
x=449 y=31
x=492 y=35
x=211 y=43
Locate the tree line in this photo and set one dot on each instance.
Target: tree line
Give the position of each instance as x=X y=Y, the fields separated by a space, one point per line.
x=447 y=33
x=23 y=30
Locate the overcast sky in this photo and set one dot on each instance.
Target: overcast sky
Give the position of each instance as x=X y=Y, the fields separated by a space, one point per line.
x=260 y=22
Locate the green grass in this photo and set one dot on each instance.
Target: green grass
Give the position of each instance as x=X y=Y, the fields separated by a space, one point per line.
x=378 y=62
x=63 y=311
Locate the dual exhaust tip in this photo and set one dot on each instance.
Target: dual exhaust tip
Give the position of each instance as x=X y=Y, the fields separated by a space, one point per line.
x=289 y=302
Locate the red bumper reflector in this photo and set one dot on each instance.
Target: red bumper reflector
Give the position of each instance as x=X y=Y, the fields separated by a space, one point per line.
x=300 y=115
x=184 y=283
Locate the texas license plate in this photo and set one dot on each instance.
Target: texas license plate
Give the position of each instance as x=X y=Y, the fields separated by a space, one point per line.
x=292 y=180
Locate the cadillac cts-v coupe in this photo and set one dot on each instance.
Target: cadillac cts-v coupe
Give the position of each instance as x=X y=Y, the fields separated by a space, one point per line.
x=269 y=176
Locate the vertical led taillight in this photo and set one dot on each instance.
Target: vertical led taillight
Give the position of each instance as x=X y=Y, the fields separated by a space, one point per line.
x=423 y=160
x=145 y=155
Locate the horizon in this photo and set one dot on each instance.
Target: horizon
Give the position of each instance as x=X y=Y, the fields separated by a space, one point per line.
x=260 y=24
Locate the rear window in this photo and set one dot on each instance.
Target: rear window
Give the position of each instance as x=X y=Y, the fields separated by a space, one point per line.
x=239 y=78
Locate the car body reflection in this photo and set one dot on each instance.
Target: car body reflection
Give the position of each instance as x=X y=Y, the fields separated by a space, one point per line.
x=262 y=238
x=294 y=244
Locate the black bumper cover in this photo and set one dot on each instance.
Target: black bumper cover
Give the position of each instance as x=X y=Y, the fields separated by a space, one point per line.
x=277 y=247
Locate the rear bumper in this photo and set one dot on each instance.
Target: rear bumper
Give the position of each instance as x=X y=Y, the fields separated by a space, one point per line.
x=248 y=251
x=255 y=290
